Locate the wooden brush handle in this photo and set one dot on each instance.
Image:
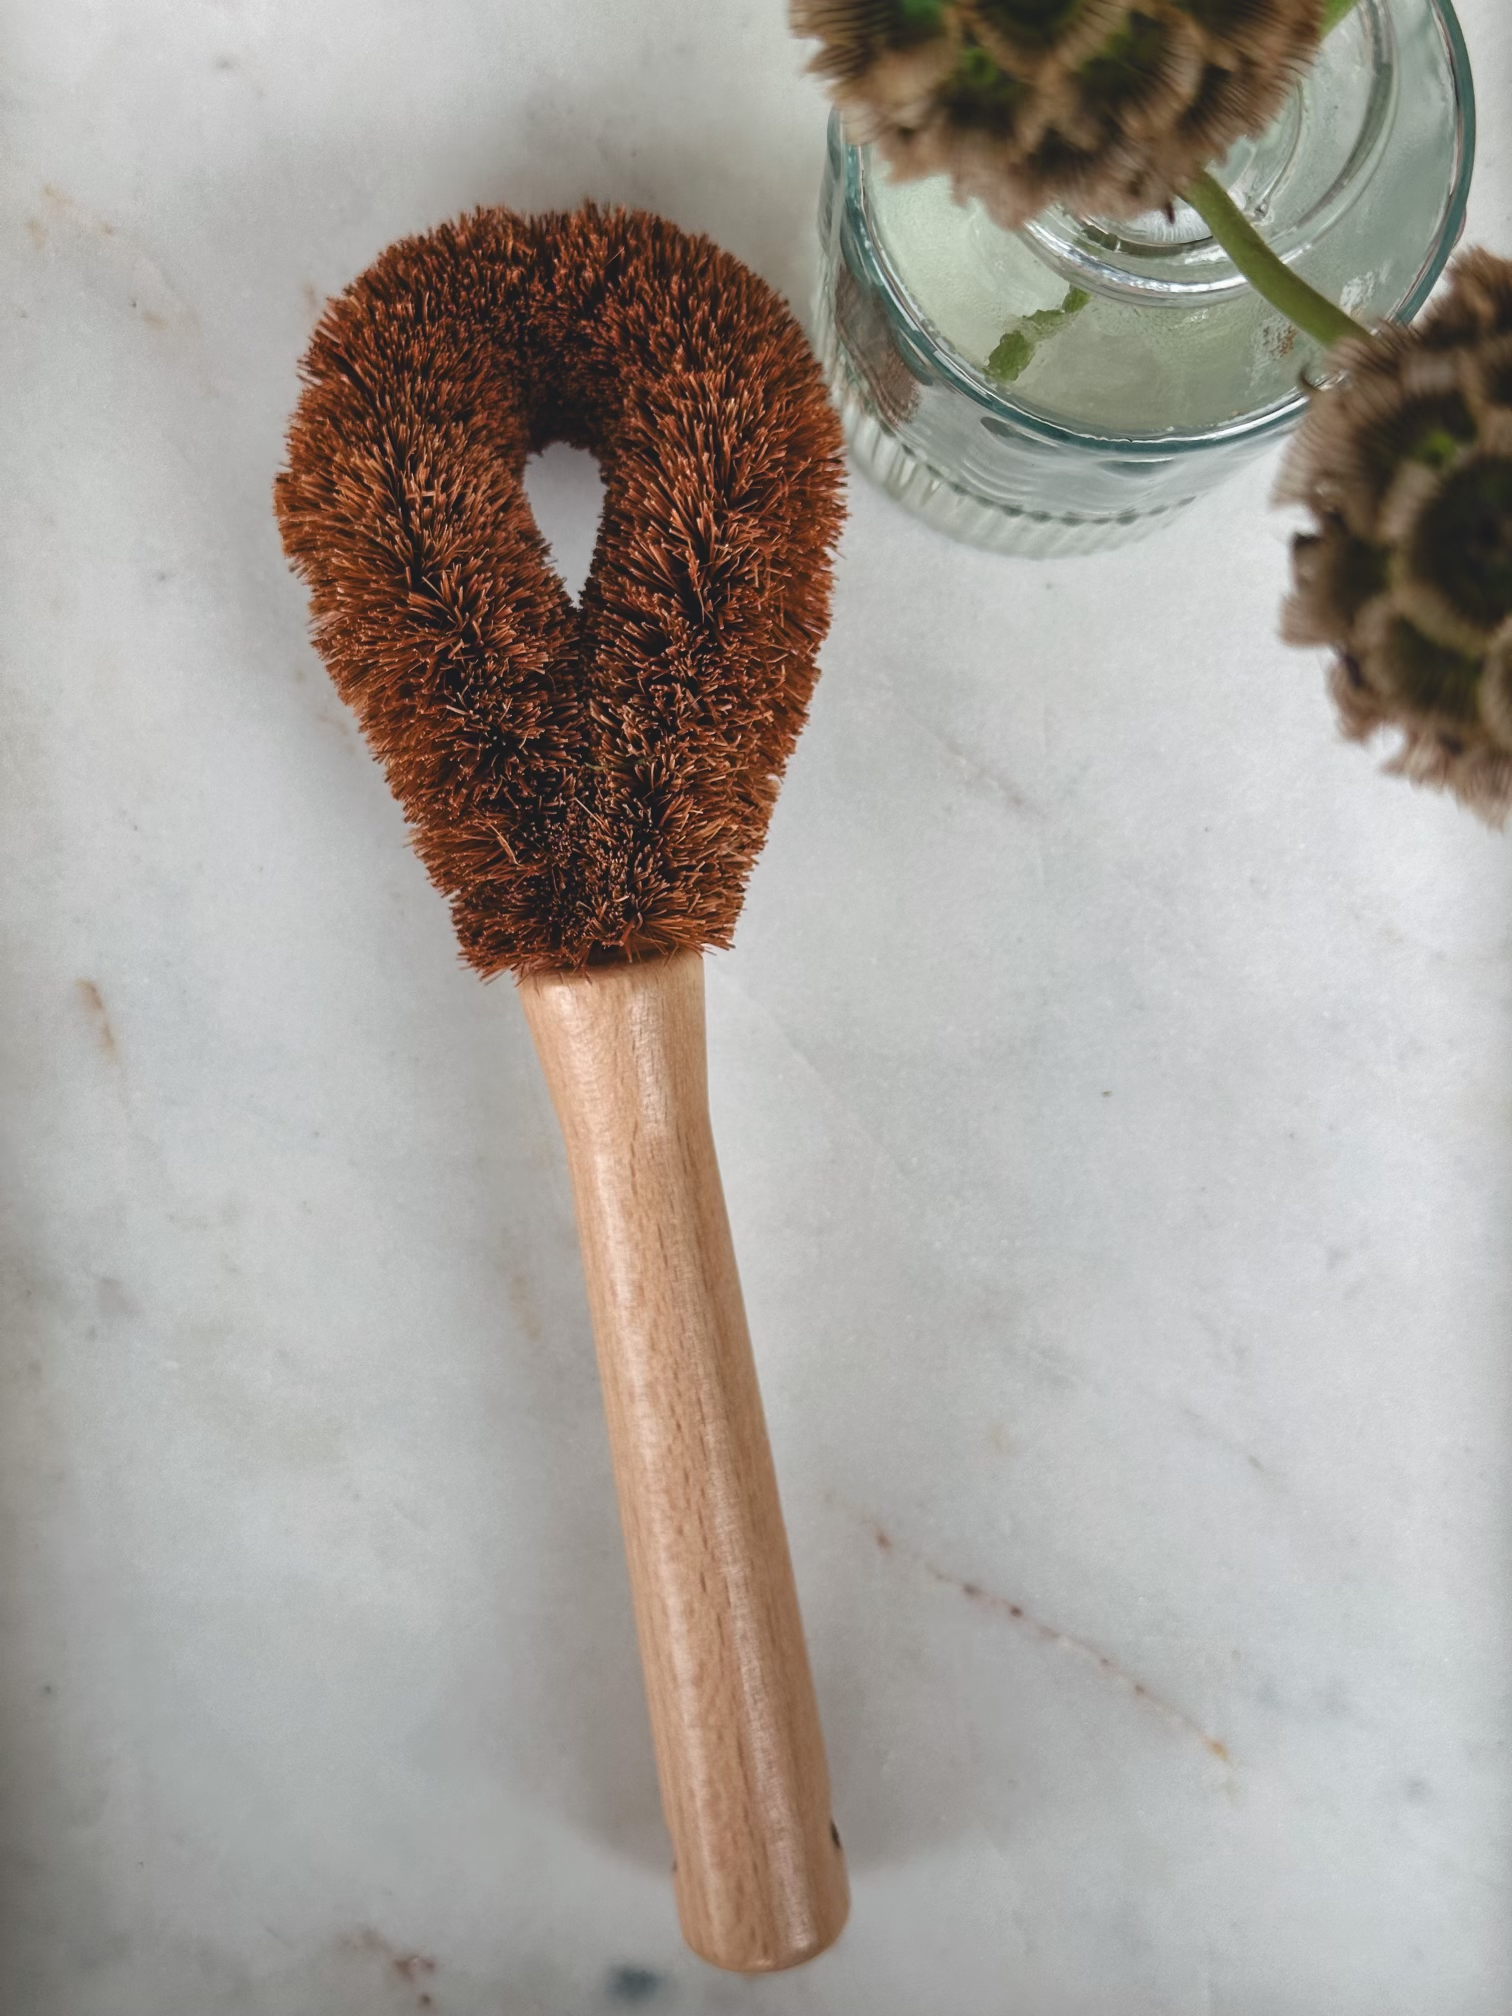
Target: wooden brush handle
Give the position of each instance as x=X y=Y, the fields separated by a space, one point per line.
x=759 y=1872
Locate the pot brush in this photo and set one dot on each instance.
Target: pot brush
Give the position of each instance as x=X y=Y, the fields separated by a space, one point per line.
x=589 y=786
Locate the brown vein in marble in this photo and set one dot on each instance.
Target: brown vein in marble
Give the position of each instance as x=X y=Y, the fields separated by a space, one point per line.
x=94 y=1007
x=412 y=1969
x=1047 y=1634
x=113 y=254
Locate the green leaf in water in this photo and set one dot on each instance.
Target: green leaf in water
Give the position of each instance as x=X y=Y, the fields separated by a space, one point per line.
x=1015 y=350
x=1010 y=356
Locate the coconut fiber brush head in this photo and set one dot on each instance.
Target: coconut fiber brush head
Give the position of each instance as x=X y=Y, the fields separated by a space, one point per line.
x=585 y=784
x=589 y=786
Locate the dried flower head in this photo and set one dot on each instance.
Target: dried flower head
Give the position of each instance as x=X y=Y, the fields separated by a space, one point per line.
x=1407 y=463
x=1110 y=106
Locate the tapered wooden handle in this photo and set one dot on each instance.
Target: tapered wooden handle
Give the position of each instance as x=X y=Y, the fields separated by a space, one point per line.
x=759 y=1872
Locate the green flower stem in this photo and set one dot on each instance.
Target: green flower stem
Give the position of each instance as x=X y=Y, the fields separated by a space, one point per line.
x=1312 y=312
x=1334 y=13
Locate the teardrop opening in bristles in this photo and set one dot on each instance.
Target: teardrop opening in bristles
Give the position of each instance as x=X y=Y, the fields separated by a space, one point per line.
x=566 y=494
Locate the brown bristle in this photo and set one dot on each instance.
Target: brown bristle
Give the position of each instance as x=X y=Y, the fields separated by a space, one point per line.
x=584 y=783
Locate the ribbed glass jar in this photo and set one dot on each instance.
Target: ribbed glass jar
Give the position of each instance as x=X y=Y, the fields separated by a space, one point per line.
x=1169 y=371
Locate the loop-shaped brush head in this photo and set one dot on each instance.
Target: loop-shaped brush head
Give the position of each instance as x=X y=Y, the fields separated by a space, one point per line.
x=588 y=783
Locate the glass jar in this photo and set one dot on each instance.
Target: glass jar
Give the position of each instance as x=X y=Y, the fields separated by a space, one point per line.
x=1067 y=387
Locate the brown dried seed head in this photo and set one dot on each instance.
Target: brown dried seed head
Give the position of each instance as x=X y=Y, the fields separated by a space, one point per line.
x=583 y=783
x=1110 y=106
x=1406 y=463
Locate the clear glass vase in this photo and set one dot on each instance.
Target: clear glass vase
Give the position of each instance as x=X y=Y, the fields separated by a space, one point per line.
x=1153 y=370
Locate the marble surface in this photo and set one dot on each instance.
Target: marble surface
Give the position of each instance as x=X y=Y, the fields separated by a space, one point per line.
x=1114 y=1088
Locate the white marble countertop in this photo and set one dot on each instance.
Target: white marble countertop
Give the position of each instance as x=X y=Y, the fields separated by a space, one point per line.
x=1114 y=1088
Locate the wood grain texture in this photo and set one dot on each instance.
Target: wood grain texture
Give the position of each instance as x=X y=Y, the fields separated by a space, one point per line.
x=760 y=1876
